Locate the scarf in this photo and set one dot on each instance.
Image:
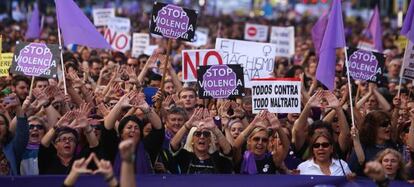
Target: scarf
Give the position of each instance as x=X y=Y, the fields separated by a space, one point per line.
x=249 y=162
x=142 y=161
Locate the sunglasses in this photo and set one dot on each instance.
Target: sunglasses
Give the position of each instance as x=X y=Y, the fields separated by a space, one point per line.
x=385 y=124
x=318 y=145
x=97 y=127
x=206 y=134
x=39 y=127
x=258 y=139
x=133 y=65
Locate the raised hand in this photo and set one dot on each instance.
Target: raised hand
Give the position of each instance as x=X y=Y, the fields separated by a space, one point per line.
x=238 y=111
x=83 y=112
x=273 y=120
x=333 y=102
x=11 y=101
x=166 y=102
x=104 y=166
x=76 y=81
x=127 y=150
x=207 y=121
x=195 y=118
x=177 y=101
x=223 y=110
x=66 y=119
x=103 y=109
x=374 y=170
x=130 y=71
x=354 y=133
x=42 y=97
x=259 y=118
x=81 y=166
x=315 y=99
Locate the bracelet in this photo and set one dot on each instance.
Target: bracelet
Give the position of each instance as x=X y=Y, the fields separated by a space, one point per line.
x=108 y=179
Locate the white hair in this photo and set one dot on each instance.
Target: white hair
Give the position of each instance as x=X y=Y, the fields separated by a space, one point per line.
x=189 y=142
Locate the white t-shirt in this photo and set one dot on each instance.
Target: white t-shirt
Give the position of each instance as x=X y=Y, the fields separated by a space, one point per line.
x=309 y=167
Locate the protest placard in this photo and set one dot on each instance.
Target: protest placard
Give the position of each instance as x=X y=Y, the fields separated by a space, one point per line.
x=277 y=95
x=5 y=63
x=408 y=65
x=140 y=41
x=256 y=32
x=220 y=81
x=257 y=59
x=284 y=39
x=200 y=39
x=173 y=21
x=119 y=41
x=194 y=58
x=36 y=59
x=101 y=16
x=366 y=65
x=119 y=24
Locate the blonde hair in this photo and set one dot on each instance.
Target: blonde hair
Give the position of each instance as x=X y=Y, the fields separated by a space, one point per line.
x=189 y=141
x=401 y=173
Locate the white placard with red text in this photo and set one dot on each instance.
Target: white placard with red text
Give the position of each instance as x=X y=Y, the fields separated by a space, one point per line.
x=191 y=59
x=255 y=32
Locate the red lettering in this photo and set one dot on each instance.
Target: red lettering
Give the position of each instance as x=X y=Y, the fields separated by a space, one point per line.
x=212 y=53
x=189 y=63
x=109 y=37
x=117 y=41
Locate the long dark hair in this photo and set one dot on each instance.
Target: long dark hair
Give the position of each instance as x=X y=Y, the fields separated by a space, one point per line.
x=8 y=136
x=370 y=125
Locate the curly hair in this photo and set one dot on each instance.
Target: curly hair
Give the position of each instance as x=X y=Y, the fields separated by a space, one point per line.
x=401 y=172
x=370 y=125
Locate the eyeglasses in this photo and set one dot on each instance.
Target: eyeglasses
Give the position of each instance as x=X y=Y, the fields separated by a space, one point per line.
x=385 y=124
x=66 y=139
x=96 y=127
x=38 y=127
x=258 y=139
x=318 y=145
x=206 y=134
x=133 y=65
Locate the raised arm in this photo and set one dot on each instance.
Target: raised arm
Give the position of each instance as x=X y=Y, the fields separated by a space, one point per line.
x=383 y=103
x=175 y=142
x=275 y=126
x=111 y=118
x=359 y=152
x=208 y=123
x=127 y=150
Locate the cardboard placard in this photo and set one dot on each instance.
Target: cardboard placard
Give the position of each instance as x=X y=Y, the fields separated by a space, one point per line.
x=284 y=39
x=276 y=95
x=119 y=24
x=257 y=59
x=172 y=21
x=101 y=16
x=195 y=58
x=120 y=41
x=36 y=59
x=365 y=65
x=5 y=63
x=220 y=81
x=256 y=32
x=140 y=41
x=408 y=62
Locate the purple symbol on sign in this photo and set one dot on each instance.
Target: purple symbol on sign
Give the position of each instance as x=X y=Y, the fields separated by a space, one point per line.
x=172 y=21
x=219 y=81
x=363 y=65
x=34 y=59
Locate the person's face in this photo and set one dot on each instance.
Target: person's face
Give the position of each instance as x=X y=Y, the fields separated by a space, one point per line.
x=189 y=99
x=403 y=116
x=201 y=140
x=292 y=117
x=42 y=84
x=213 y=111
x=390 y=164
x=65 y=145
x=394 y=68
x=3 y=128
x=312 y=68
x=258 y=143
x=36 y=132
x=236 y=129
x=372 y=103
x=147 y=129
x=155 y=83
x=174 y=122
x=96 y=68
x=133 y=63
x=169 y=88
x=383 y=131
x=322 y=149
x=85 y=54
x=298 y=72
x=131 y=131
x=97 y=130
x=22 y=90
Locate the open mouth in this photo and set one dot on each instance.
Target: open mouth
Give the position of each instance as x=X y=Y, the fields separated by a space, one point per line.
x=34 y=135
x=66 y=147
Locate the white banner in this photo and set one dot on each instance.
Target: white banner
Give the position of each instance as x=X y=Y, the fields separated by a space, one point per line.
x=200 y=39
x=101 y=16
x=120 y=41
x=119 y=24
x=140 y=41
x=408 y=62
x=276 y=95
x=191 y=59
x=255 y=32
x=284 y=39
x=257 y=59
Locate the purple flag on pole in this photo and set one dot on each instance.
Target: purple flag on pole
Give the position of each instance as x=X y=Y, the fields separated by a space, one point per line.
x=374 y=30
x=33 y=28
x=333 y=38
x=318 y=30
x=76 y=27
x=407 y=28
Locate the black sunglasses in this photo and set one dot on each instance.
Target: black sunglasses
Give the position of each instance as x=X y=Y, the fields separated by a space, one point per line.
x=206 y=134
x=258 y=139
x=39 y=127
x=385 y=124
x=318 y=145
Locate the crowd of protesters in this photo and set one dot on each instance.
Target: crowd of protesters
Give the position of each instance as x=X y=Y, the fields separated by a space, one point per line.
x=106 y=124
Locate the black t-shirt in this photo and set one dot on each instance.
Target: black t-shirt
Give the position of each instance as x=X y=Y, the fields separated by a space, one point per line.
x=190 y=164
x=266 y=165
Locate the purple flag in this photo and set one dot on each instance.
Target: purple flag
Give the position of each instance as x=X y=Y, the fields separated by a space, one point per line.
x=407 y=28
x=76 y=27
x=333 y=38
x=375 y=31
x=318 y=30
x=33 y=28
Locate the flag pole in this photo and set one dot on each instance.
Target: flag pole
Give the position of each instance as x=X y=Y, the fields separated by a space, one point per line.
x=31 y=87
x=401 y=69
x=61 y=51
x=164 y=74
x=349 y=88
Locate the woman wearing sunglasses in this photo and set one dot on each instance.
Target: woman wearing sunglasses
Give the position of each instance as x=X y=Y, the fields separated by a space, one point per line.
x=322 y=160
x=200 y=154
x=256 y=159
